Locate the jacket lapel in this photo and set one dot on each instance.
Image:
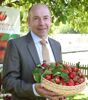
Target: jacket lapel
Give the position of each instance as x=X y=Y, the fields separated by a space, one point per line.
x=32 y=49
x=54 y=50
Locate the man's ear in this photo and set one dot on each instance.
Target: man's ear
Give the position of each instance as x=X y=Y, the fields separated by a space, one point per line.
x=28 y=20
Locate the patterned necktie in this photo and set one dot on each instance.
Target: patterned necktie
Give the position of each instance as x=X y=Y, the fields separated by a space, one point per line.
x=45 y=52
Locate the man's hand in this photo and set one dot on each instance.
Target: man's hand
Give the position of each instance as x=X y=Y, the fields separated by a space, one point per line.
x=48 y=94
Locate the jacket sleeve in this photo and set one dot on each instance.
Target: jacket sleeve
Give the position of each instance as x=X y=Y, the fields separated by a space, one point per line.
x=12 y=81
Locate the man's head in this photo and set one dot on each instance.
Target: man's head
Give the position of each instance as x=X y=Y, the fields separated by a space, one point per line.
x=39 y=19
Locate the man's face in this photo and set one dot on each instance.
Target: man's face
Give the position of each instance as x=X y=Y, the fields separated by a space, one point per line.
x=40 y=20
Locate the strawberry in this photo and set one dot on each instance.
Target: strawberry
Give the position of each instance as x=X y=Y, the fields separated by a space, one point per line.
x=3 y=43
x=76 y=78
x=69 y=69
x=65 y=70
x=44 y=65
x=2 y=54
x=72 y=74
x=66 y=65
x=75 y=69
x=70 y=83
x=2 y=16
x=63 y=81
x=57 y=80
x=76 y=83
x=81 y=80
x=1 y=34
x=48 y=77
x=57 y=64
x=80 y=74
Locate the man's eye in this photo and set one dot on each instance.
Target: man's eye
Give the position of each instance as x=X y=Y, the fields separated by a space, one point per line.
x=35 y=18
x=45 y=18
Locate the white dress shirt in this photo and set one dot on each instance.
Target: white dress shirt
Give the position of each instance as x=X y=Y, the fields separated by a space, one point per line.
x=38 y=46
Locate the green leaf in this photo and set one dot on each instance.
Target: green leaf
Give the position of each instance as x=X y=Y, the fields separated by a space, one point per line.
x=39 y=65
x=37 y=77
x=46 y=72
x=64 y=19
x=13 y=36
x=61 y=67
x=52 y=66
x=65 y=76
x=56 y=72
x=57 y=22
x=37 y=74
x=5 y=37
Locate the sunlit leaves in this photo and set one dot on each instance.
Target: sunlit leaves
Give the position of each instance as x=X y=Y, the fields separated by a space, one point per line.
x=75 y=12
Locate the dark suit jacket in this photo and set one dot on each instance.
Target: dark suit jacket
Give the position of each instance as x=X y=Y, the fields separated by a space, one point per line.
x=20 y=59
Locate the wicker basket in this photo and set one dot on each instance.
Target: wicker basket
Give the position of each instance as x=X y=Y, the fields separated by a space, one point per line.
x=63 y=90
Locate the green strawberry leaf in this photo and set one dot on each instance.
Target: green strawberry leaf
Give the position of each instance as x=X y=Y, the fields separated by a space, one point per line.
x=5 y=37
x=56 y=72
x=65 y=76
x=52 y=65
x=13 y=36
x=61 y=67
x=37 y=75
x=46 y=72
x=39 y=65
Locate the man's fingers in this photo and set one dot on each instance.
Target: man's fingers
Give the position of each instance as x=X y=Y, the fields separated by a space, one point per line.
x=62 y=98
x=48 y=94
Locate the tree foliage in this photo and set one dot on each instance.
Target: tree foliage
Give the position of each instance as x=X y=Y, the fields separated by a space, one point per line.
x=73 y=12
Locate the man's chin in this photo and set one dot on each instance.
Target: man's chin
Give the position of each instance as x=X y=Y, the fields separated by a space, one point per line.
x=44 y=35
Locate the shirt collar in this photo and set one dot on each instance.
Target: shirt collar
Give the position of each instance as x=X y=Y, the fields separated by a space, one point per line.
x=37 y=39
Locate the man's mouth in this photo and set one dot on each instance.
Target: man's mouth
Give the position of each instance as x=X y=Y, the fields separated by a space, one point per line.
x=41 y=29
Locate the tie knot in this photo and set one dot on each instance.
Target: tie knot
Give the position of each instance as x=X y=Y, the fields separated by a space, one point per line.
x=43 y=42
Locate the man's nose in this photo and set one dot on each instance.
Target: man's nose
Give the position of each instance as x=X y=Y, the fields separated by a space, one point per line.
x=41 y=21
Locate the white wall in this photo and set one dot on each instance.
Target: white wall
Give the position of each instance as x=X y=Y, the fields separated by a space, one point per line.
x=73 y=42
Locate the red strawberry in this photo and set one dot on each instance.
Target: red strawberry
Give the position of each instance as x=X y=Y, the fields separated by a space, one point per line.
x=80 y=74
x=63 y=83
x=66 y=65
x=44 y=65
x=2 y=54
x=57 y=80
x=3 y=43
x=48 y=77
x=57 y=64
x=2 y=16
x=75 y=69
x=72 y=74
x=81 y=80
x=66 y=71
x=69 y=69
x=76 y=78
x=76 y=83
x=1 y=34
x=70 y=83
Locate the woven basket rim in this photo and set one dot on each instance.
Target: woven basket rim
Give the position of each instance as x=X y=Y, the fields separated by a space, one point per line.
x=64 y=85
x=61 y=89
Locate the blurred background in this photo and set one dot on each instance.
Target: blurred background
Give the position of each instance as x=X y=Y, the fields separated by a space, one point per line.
x=69 y=27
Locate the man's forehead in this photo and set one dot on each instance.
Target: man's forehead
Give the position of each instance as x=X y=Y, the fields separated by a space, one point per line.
x=39 y=8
